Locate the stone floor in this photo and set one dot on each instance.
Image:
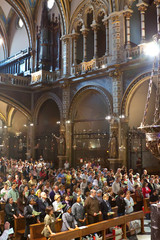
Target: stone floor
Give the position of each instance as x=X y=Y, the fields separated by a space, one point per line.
x=147 y=229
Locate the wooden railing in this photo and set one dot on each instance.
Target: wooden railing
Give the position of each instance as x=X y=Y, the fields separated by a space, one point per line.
x=20 y=63
x=101 y=227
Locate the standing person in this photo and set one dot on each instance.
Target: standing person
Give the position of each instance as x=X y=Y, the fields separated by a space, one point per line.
x=66 y=165
x=11 y=212
x=21 y=202
x=106 y=207
x=146 y=190
x=92 y=207
x=68 y=220
x=129 y=203
x=116 y=186
x=5 y=234
x=121 y=203
x=57 y=205
x=49 y=221
x=13 y=193
x=5 y=192
x=138 y=198
x=30 y=217
x=42 y=204
x=78 y=212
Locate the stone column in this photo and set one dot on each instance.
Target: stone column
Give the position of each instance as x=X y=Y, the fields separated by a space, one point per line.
x=142 y=7
x=106 y=23
x=157 y=2
x=30 y=140
x=116 y=91
x=128 y=15
x=66 y=54
x=75 y=37
x=95 y=26
x=85 y=33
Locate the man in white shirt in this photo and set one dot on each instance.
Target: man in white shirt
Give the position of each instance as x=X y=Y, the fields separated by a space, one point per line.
x=6 y=231
x=116 y=186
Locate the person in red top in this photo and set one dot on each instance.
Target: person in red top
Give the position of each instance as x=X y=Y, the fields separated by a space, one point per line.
x=17 y=180
x=145 y=190
x=42 y=173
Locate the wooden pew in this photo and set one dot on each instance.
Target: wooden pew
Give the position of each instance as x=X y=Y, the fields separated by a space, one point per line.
x=146 y=208
x=19 y=227
x=2 y=216
x=2 y=205
x=36 y=229
x=101 y=227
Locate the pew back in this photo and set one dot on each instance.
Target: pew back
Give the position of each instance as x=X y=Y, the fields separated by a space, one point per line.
x=19 y=226
x=101 y=226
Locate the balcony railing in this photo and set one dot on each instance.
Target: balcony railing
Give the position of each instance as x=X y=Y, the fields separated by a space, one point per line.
x=45 y=77
x=135 y=52
x=92 y=65
x=9 y=79
x=19 y=64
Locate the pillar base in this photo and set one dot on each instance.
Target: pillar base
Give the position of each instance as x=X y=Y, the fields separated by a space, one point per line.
x=61 y=161
x=115 y=163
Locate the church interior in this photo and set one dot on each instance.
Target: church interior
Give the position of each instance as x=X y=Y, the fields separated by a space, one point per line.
x=75 y=79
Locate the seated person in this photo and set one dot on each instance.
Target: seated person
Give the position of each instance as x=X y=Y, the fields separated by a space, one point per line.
x=154 y=197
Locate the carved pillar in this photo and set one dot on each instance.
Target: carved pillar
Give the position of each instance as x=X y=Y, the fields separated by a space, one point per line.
x=157 y=2
x=85 y=33
x=30 y=140
x=95 y=26
x=66 y=121
x=66 y=54
x=115 y=23
x=5 y=142
x=75 y=37
x=116 y=91
x=106 y=23
x=128 y=15
x=142 y=7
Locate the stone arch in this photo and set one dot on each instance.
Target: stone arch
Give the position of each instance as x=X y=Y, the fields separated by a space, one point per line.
x=105 y=94
x=79 y=13
x=43 y=99
x=131 y=89
x=16 y=104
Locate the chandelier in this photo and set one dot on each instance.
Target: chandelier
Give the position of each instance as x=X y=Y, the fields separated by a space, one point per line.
x=152 y=132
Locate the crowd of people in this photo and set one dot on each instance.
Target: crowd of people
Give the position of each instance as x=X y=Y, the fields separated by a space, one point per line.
x=40 y=193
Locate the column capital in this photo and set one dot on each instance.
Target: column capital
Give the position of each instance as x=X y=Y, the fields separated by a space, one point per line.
x=75 y=35
x=142 y=7
x=66 y=38
x=95 y=25
x=84 y=30
x=128 y=13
